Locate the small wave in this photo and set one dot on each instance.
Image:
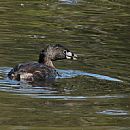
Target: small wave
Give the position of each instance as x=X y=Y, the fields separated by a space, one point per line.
x=71 y=2
x=62 y=97
x=114 y=112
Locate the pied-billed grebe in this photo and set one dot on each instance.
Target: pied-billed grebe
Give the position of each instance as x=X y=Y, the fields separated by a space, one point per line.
x=44 y=68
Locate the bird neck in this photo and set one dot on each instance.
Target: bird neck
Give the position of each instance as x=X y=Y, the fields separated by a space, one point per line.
x=47 y=61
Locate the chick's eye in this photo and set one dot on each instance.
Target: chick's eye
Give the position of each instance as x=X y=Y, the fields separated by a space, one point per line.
x=64 y=51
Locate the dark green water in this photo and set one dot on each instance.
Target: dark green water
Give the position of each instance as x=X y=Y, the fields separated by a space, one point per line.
x=94 y=92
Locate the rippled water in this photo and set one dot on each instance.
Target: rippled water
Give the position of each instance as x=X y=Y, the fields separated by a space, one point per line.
x=90 y=93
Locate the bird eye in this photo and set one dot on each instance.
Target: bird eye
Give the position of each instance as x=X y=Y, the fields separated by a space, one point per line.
x=65 y=51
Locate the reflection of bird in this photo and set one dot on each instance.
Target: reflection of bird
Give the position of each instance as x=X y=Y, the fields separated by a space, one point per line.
x=44 y=68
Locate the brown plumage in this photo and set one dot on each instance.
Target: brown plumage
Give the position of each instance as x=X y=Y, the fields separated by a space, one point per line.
x=44 y=68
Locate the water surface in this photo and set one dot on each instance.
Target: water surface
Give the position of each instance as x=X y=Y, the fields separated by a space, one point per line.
x=92 y=92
